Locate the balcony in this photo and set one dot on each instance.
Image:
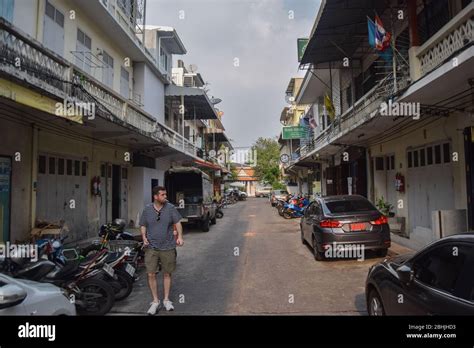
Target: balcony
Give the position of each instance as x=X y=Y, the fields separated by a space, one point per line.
x=453 y=37
x=43 y=70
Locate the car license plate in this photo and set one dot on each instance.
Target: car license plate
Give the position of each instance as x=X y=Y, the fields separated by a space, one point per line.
x=130 y=269
x=357 y=227
x=109 y=270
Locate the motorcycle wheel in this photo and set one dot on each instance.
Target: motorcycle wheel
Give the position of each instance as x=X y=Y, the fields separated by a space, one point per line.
x=219 y=215
x=287 y=215
x=126 y=282
x=96 y=297
x=281 y=210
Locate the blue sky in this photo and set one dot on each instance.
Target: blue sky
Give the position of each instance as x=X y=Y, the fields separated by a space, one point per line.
x=257 y=32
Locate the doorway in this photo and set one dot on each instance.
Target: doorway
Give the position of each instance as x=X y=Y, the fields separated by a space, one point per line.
x=5 y=197
x=116 y=191
x=154 y=183
x=469 y=158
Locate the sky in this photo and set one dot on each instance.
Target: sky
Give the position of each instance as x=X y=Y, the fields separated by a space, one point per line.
x=261 y=35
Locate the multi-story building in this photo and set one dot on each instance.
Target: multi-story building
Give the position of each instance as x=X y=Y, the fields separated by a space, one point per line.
x=400 y=126
x=82 y=113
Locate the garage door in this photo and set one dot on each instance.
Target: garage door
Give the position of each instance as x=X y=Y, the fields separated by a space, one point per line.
x=430 y=183
x=62 y=193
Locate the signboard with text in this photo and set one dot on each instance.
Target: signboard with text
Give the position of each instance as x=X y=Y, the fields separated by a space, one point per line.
x=294 y=132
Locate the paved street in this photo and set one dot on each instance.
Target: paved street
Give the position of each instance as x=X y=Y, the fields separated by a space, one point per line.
x=273 y=273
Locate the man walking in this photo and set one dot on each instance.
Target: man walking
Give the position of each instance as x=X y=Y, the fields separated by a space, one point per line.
x=156 y=226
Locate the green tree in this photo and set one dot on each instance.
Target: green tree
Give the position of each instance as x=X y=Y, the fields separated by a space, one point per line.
x=267 y=168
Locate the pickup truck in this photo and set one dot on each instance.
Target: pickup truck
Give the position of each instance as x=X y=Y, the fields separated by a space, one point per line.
x=191 y=191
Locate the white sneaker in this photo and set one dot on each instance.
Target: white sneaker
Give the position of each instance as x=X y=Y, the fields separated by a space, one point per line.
x=153 y=308
x=168 y=305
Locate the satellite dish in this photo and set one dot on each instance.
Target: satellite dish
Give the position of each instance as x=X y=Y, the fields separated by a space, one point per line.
x=215 y=101
x=192 y=68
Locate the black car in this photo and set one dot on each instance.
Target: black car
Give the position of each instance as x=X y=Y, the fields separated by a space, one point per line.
x=344 y=221
x=438 y=280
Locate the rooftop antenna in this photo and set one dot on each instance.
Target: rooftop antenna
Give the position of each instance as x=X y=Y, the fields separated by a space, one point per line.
x=192 y=68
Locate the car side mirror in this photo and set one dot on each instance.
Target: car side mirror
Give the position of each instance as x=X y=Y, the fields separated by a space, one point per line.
x=11 y=295
x=406 y=274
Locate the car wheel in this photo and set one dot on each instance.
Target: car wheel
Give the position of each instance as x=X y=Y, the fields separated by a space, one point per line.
x=375 y=304
x=205 y=225
x=214 y=220
x=382 y=252
x=318 y=256
x=302 y=237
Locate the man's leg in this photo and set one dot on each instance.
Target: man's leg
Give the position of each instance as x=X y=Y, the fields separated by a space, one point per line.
x=153 y=287
x=167 y=285
x=151 y=264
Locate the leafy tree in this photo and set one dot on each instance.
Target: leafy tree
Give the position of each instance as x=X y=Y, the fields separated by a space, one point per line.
x=268 y=157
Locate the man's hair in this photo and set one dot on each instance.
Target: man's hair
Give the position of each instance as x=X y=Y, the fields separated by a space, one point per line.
x=156 y=190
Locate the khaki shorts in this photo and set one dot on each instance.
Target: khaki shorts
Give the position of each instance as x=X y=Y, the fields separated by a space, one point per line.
x=154 y=257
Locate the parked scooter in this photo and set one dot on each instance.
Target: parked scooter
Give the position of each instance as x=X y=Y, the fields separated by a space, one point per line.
x=118 y=273
x=295 y=208
x=83 y=282
x=219 y=208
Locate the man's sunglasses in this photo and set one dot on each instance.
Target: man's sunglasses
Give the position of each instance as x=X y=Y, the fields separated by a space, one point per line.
x=158 y=216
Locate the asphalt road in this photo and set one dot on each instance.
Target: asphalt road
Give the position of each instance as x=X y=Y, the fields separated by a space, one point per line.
x=253 y=262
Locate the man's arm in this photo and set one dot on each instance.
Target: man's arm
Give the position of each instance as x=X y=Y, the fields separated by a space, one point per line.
x=144 y=238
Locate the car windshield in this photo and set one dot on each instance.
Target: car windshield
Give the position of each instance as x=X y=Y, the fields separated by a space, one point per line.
x=348 y=206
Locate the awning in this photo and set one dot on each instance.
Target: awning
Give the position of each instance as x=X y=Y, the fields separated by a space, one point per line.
x=340 y=29
x=218 y=137
x=196 y=102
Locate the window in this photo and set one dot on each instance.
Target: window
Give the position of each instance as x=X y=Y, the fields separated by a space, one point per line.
x=410 y=159
x=422 y=158
x=109 y=172
x=124 y=83
x=446 y=153
x=437 y=149
x=392 y=161
x=415 y=159
x=108 y=71
x=429 y=155
x=348 y=206
x=42 y=165
x=441 y=267
x=378 y=163
x=77 y=168
x=52 y=165
x=124 y=173
x=69 y=167
x=387 y=163
x=6 y=9
x=53 y=32
x=163 y=59
x=102 y=170
x=60 y=166
x=84 y=169
x=83 y=51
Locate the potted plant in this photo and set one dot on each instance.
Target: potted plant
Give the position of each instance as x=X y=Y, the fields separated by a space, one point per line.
x=385 y=207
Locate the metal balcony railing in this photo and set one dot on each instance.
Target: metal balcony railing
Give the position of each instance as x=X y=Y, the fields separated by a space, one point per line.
x=456 y=34
x=28 y=61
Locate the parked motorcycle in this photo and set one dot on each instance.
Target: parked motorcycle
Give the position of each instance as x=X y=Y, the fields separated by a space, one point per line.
x=295 y=208
x=82 y=282
x=118 y=273
x=219 y=210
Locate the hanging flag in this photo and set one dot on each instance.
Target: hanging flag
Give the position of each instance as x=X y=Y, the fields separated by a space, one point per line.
x=379 y=38
x=329 y=107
